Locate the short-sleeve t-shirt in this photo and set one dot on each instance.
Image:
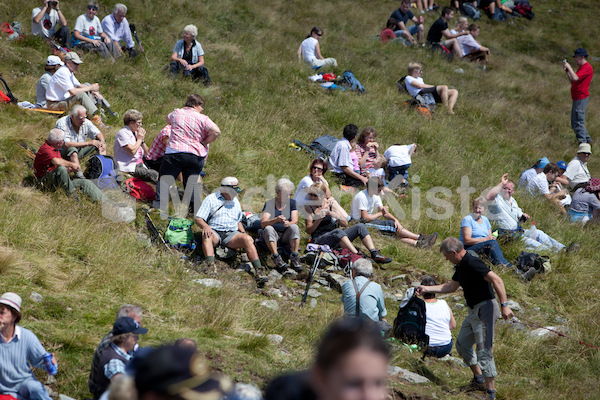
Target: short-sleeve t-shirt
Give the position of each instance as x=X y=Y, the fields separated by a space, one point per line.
x=125 y=161
x=413 y=91
x=399 y=16
x=274 y=212
x=478 y=230
x=581 y=89
x=584 y=202
x=43 y=160
x=47 y=26
x=362 y=201
x=526 y=176
x=41 y=87
x=470 y=273
x=468 y=44
x=398 y=154
x=88 y=27
x=59 y=85
x=435 y=32
x=538 y=185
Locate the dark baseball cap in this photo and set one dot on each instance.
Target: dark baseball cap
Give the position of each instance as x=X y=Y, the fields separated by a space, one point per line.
x=127 y=325
x=177 y=371
x=580 y=52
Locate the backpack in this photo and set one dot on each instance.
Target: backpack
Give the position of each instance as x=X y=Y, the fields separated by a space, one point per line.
x=471 y=11
x=527 y=260
x=179 y=234
x=348 y=79
x=140 y=189
x=7 y=96
x=409 y=325
x=102 y=170
x=523 y=8
x=323 y=145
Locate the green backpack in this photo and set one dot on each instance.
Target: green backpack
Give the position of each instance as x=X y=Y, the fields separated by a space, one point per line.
x=179 y=234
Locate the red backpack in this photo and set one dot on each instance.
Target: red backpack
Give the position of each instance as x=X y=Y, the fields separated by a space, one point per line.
x=140 y=189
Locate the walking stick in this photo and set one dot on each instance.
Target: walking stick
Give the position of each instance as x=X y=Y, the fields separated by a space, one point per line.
x=322 y=249
x=134 y=33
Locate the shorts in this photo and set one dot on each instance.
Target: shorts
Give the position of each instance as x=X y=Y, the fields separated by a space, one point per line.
x=225 y=236
x=433 y=92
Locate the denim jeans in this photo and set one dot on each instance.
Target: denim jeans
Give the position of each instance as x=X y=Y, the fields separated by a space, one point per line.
x=439 y=351
x=578 y=120
x=490 y=249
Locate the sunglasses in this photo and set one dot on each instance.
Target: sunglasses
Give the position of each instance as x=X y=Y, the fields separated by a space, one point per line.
x=317 y=168
x=92 y=8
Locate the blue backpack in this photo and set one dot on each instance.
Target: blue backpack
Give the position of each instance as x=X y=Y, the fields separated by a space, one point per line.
x=471 y=11
x=102 y=170
x=349 y=80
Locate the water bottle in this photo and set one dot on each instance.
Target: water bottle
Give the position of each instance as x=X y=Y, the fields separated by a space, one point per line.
x=530 y=233
x=187 y=72
x=50 y=368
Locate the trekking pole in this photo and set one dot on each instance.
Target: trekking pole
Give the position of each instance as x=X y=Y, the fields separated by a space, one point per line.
x=517 y=320
x=313 y=271
x=134 y=33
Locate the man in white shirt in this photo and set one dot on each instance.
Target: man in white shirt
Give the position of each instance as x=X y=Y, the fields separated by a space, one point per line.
x=341 y=162
x=543 y=184
x=368 y=208
x=471 y=49
x=46 y=19
x=116 y=27
x=577 y=171
x=64 y=89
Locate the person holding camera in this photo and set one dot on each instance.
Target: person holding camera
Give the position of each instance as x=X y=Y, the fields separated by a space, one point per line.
x=580 y=92
x=46 y=19
x=506 y=212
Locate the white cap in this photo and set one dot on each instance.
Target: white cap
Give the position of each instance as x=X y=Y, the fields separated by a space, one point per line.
x=74 y=57
x=54 y=60
x=229 y=181
x=12 y=300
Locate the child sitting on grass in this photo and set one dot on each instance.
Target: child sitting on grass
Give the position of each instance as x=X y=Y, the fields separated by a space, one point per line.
x=388 y=34
x=378 y=171
x=399 y=161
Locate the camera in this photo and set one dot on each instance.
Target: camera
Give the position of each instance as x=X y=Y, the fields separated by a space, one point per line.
x=564 y=61
x=52 y=3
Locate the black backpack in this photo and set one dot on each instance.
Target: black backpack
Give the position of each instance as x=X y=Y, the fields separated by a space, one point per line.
x=409 y=325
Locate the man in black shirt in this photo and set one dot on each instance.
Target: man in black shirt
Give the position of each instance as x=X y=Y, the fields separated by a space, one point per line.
x=402 y=16
x=440 y=28
x=477 y=282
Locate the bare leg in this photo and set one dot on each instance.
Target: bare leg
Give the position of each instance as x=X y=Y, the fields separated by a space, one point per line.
x=345 y=243
x=208 y=245
x=272 y=246
x=452 y=97
x=295 y=245
x=421 y=33
x=245 y=241
x=368 y=242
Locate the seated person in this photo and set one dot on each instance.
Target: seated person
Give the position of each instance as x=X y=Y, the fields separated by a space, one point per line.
x=398 y=157
x=532 y=172
x=433 y=94
x=470 y=48
x=116 y=27
x=387 y=33
x=562 y=183
x=89 y=36
x=220 y=217
x=20 y=350
x=114 y=358
x=64 y=90
x=368 y=208
x=506 y=212
x=378 y=171
x=188 y=56
x=440 y=321
x=52 y=170
x=440 y=28
x=402 y=16
x=82 y=138
x=154 y=157
x=366 y=149
x=310 y=51
x=543 y=184
x=280 y=225
x=322 y=222
x=46 y=19
x=476 y=235
x=577 y=170
x=586 y=203
x=462 y=25
x=341 y=162
x=53 y=63
x=362 y=297
x=129 y=148
x=505 y=6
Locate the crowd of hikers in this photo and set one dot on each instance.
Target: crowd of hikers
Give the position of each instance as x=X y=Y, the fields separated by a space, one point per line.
x=353 y=349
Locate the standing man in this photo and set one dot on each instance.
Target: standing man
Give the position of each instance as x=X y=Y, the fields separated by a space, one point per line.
x=116 y=28
x=19 y=348
x=580 y=92
x=577 y=171
x=477 y=282
x=402 y=16
x=440 y=28
x=45 y=19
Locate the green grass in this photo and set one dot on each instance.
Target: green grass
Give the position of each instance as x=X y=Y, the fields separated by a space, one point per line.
x=509 y=116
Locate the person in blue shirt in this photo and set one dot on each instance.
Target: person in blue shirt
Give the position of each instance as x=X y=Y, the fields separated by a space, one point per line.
x=19 y=350
x=188 y=56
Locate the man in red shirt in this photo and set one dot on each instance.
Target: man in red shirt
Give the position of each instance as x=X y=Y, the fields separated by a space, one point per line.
x=580 y=92
x=52 y=170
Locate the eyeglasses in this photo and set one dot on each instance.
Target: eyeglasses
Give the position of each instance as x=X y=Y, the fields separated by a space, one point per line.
x=317 y=168
x=92 y=8
x=319 y=34
x=140 y=123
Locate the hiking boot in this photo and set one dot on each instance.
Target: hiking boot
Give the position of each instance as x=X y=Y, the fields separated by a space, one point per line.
x=295 y=263
x=527 y=276
x=379 y=258
x=423 y=241
x=280 y=265
x=260 y=277
x=473 y=386
x=573 y=248
x=432 y=238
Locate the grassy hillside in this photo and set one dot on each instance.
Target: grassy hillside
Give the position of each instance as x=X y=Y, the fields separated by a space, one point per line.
x=507 y=117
